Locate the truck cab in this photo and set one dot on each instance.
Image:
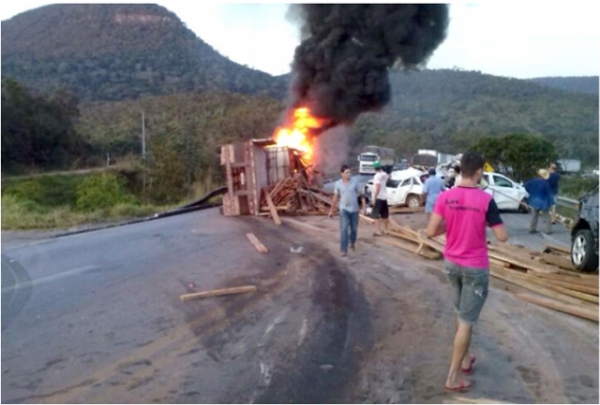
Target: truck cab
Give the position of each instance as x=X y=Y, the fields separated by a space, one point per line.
x=366 y=160
x=371 y=154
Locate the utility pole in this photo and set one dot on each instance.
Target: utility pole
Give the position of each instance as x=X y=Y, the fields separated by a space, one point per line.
x=143 y=153
x=143 y=136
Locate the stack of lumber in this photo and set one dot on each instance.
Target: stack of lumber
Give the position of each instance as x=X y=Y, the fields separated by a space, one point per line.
x=550 y=276
x=294 y=196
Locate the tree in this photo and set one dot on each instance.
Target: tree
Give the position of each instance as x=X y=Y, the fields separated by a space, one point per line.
x=521 y=154
x=38 y=130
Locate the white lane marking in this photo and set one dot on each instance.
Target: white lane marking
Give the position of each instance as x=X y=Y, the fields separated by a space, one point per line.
x=303 y=330
x=51 y=278
x=276 y=321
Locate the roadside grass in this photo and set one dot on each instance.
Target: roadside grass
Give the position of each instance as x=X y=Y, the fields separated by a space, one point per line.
x=22 y=215
x=575 y=186
x=64 y=201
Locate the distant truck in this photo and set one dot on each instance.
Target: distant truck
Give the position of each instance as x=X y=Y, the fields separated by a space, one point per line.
x=371 y=154
x=432 y=158
x=569 y=165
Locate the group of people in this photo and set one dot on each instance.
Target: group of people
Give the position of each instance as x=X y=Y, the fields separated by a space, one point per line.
x=462 y=213
x=543 y=191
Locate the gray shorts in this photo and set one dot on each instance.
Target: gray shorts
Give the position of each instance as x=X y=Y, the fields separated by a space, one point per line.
x=469 y=290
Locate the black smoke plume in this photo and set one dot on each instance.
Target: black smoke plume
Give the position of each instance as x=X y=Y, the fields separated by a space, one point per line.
x=341 y=67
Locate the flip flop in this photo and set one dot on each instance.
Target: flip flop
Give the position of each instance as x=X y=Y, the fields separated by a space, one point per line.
x=377 y=234
x=462 y=387
x=470 y=368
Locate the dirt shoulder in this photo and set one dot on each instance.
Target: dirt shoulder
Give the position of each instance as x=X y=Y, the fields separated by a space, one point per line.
x=525 y=354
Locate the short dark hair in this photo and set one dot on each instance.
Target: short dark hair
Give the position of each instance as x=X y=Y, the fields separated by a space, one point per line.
x=470 y=163
x=432 y=172
x=344 y=168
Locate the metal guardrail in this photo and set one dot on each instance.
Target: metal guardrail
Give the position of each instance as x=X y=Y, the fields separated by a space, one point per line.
x=567 y=202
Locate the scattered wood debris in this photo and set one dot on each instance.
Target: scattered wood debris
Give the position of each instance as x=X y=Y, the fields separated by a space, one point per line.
x=295 y=196
x=215 y=293
x=549 y=273
x=259 y=246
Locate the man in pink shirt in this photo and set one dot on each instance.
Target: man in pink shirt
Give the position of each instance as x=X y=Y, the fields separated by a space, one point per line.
x=463 y=214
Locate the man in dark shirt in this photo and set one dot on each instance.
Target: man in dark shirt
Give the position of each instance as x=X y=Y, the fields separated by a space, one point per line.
x=553 y=183
x=539 y=200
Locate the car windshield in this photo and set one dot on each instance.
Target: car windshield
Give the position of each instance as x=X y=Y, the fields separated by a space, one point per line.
x=367 y=158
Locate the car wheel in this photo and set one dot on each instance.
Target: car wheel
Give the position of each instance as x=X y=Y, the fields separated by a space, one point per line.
x=583 y=252
x=413 y=201
x=522 y=207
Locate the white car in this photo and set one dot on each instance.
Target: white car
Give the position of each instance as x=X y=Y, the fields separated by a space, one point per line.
x=404 y=188
x=507 y=193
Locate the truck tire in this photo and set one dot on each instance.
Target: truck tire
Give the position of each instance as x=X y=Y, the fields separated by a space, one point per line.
x=413 y=201
x=583 y=252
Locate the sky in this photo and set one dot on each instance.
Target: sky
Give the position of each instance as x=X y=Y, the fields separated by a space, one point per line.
x=521 y=39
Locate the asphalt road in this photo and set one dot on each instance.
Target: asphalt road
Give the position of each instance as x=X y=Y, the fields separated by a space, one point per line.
x=96 y=317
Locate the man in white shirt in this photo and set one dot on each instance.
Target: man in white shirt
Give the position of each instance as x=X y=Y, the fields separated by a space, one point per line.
x=380 y=206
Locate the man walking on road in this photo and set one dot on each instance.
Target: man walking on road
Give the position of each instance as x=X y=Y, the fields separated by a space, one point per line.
x=463 y=213
x=431 y=191
x=380 y=208
x=539 y=200
x=347 y=192
x=553 y=183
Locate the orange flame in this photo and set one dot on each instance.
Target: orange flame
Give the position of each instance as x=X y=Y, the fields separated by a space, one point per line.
x=298 y=136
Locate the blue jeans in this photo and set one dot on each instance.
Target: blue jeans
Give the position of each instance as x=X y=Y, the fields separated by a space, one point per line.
x=348 y=228
x=469 y=289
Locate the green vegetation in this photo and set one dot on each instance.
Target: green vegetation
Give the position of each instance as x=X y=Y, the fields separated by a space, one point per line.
x=38 y=131
x=584 y=84
x=575 y=186
x=523 y=154
x=55 y=201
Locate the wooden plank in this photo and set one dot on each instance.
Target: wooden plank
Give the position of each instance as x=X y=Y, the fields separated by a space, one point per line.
x=216 y=293
x=532 y=265
x=537 y=288
x=559 y=261
x=499 y=263
x=278 y=208
x=366 y=219
x=586 y=313
x=272 y=208
x=259 y=246
x=558 y=248
x=403 y=236
x=587 y=289
x=411 y=248
x=406 y=210
x=560 y=289
x=420 y=248
x=432 y=243
x=569 y=277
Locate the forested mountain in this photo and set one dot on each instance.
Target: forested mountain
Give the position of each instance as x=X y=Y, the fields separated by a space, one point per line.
x=448 y=110
x=119 y=51
x=585 y=84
